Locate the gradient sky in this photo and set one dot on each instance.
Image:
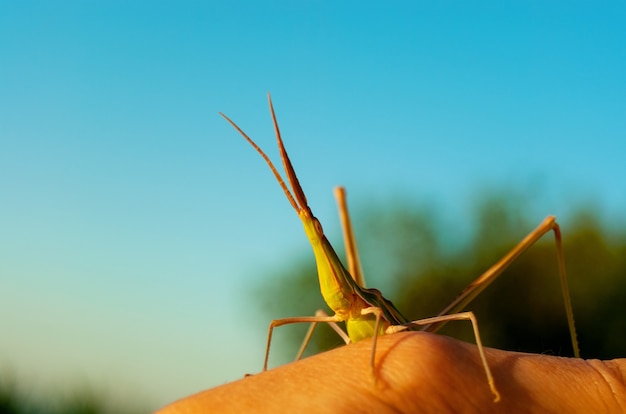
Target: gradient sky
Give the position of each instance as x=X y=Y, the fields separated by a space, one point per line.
x=133 y=219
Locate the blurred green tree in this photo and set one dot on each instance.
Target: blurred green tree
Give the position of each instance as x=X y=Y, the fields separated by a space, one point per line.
x=16 y=398
x=421 y=268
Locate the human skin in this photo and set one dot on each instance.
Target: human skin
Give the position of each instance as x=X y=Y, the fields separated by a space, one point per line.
x=420 y=372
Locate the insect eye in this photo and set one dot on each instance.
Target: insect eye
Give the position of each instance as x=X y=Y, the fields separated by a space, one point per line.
x=318 y=226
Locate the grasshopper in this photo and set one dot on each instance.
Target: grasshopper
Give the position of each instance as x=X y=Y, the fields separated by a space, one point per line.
x=365 y=311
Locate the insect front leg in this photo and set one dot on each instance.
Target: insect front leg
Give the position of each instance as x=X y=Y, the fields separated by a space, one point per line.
x=287 y=321
x=309 y=334
x=455 y=317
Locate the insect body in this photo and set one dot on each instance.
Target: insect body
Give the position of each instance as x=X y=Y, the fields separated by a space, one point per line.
x=366 y=312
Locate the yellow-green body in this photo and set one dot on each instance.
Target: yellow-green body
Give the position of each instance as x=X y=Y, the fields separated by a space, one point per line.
x=355 y=305
x=341 y=293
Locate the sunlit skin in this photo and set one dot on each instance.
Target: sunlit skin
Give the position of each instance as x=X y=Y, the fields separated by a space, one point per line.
x=422 y=372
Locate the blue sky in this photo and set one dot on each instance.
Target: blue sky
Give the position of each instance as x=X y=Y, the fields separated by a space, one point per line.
x=133 y=219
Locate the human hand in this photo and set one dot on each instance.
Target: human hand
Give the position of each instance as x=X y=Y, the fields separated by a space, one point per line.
x=420 y=372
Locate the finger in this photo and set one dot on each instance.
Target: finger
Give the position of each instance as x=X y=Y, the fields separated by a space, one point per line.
x=418 y=372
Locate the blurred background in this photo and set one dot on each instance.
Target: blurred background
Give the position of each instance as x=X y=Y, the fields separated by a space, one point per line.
x=144 y=246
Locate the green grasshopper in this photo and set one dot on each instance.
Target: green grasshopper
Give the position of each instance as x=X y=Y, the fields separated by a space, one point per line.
x=366 y=312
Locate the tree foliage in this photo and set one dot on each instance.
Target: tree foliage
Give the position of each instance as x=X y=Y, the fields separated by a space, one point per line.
x=421 y=267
